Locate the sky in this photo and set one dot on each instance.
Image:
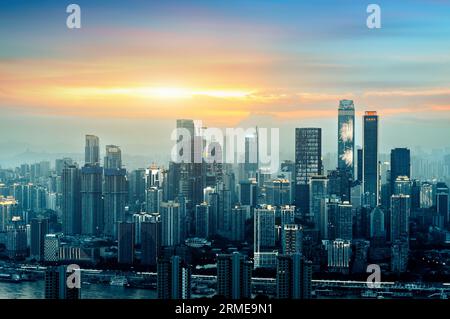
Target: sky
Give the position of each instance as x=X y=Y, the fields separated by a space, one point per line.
x=136 y=66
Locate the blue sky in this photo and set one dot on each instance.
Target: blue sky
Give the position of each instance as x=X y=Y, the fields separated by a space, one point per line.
x=280 y=63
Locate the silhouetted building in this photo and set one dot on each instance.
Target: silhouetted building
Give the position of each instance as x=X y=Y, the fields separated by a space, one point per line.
x=370 y=159
x=294 y=277
x=234 y=276
x=174 y=278
x=125 y=251
x=308 y=163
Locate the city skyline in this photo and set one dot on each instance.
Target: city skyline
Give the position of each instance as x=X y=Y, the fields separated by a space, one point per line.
x=246 y=150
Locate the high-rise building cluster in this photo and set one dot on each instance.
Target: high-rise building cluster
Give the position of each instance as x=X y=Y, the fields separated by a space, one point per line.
x=301 y=221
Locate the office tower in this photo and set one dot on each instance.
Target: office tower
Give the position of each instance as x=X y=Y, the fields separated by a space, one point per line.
x=213 y=201
x=153 y=199
x=137 y=189
x=92 y=150
x=287 y=215
x=52 y=243
x=339 y=253
x=248 y=192
x=377 y=225
x=113 y=158
x=442 y=210
x=399 y=256
x=356 y=194
x=174 y=278
x=278 y=192
x=234 y=276
x=7 y=207
x=344 y=221
x=170 y=223
x=61 y=163
x=238 y=217
x=415 y=195
x=308 y=163
x=346 y=137
x=329 y=222
x=56 y=286
x=400 y=164
x=16 y=242
x=173 y=181
x=400 y=212
x=426 y=195
x=339 y=184
x=71 y=200
x=91 y=200
x=292 y=239
x=318 y=191
x=294 y=277
x=138 y=219
x=359 y=170
x=38 y=230
x=361 y=253
x=202 y=220
x=125 y=251
x=402 y=186
x=224 y=210
x=150 y=240
x=370 y=159
x=264 y=227
x=114 y=200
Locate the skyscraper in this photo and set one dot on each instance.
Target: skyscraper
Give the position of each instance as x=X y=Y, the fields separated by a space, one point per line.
x=153 y=199
x=39 y=228
x=150 y=240
x=344 y=221
x=170 y=223
x=91 y=200
x=292 y=239
x=92 y=150
x=125 y=251
x=174 y=278
x=71 y=200
x=400 y=212
x=202 y=220
x=114 y=200
x=234 y=275
x=264 y=228
x=346 y=136
x=442 y=193
x=294 y=277
x=377 y=226
x=370 y=159
x=400 y=165
x=113 y=158
x=402 y=186
x=238 y=218
x=308 y=163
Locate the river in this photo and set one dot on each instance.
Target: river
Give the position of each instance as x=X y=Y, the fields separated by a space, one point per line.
x=35 y=290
